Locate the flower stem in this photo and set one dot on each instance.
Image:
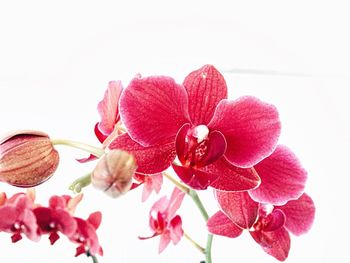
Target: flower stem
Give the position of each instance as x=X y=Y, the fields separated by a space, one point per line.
x=94 y=258
x=193 y=194
x=80 y=183
x=194 y=243
x=98 y=152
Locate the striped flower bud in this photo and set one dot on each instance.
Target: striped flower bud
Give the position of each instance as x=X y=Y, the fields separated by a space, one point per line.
x=113 y=173
x=27 y=158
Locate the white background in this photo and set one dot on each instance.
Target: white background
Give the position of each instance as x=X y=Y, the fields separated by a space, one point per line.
x=56 y=58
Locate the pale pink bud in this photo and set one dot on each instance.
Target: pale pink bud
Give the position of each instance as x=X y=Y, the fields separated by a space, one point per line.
x=27 y=158
x=113 y=173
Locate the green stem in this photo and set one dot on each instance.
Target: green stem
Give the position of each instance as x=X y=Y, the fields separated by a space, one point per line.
x=193 y=194
x=80 y=183
x=98 y=152
x=194 y=243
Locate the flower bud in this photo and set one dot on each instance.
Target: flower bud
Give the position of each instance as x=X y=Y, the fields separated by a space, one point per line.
x=113 y=173
x=27 y=158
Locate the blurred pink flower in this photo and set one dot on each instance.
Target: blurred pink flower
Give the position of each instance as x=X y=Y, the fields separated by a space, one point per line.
x=17 y=217
x=152 y=182
x=163 y=219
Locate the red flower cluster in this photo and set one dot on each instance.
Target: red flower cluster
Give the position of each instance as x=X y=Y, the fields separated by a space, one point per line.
x=209 y=141
x=21 y=216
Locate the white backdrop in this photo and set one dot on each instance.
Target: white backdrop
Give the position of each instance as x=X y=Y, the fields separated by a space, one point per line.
x=56 y=58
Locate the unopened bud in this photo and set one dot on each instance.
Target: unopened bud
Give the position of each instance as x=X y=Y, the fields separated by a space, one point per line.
x=113 y=173
x=27 y=158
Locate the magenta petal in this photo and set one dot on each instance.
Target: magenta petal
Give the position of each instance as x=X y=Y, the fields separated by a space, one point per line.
x=275 y=243
x=100 y=136
x=239 y=207
x=215 y=149
x=151 y=182
x=196 y=179
x=95 y=219
x=220 y=224
x=180 y=142
x=205 y=88
x=274 y=221
x=8 y=215
x=282 y=178
x=229 y=177
x=153 y=109
x=300 y=214
x=149 y=160
x=175 y=228
x=164 y=241
x=251 y=128
x=108 y=107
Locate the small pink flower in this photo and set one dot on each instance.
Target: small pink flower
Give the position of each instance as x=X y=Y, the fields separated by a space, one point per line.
x=86 y=236
x=18 y=218
x=268 y=225
x=163 y=220
x=210 y=134
x=150 y=183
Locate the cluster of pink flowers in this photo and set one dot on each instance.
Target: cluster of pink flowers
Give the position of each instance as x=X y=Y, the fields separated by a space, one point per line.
x=20 y=215
x=209 y=141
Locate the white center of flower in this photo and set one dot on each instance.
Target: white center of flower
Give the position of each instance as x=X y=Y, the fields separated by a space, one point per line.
x=201 y=132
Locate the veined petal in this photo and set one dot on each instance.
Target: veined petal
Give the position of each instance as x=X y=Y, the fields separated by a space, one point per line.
x=220 y=224
x=251 y=128
x=282 y=178
x=205 y=88
x=149 y=160
x=230 y=177
x=239 y=207
x=108 y=108
x=275 y=243
x=153 y=109
x=220 y=175
x=300 y=214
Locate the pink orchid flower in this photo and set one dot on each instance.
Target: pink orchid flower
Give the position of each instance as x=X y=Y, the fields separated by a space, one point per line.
x=55 y=218
x=86 y=236
x=150 y=183
x=212 y=136
x=18 y=218
x=163 y=220
x=268 y=225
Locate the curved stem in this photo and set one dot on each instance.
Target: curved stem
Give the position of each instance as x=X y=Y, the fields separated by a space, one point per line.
x=194 y=243
x=94 y=258
x=193 y=194
x=98 y=152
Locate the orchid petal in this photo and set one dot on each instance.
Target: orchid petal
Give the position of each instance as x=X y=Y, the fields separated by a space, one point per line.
x=175 y=201
x=275 y=243
x=149 y=160
x=251 y=128
x=95 y=219
x=151 y=182
x=274 y=221
x=220 y=224
x=282 y=178
x=300 y=214
x=164 y=241
x=153 y=109
x=205 y=88
x=239 y=207
x=175 y=228
x=108 y=108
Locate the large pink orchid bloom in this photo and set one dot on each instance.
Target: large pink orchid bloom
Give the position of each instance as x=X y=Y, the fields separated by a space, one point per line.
x=268 y=225
x=211 y=135
x=163 y=220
